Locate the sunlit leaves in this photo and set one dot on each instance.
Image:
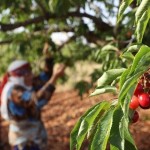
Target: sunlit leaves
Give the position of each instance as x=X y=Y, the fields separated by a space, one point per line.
x=134 y=48
x=109 y=76
x=63 y=5
x=104 y=89
x=140 y=64
x=107 y=80
x=56 y=5
x=80 y=130
x=141 y=24
x=143 y=52
x=128 y=55
x=142 y=16
x=123 y=6
x=115 y=136
x=115 y=122
x=101 y=136
x=144 y=6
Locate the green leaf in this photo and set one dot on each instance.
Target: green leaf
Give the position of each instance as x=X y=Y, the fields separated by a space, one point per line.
x=129 y=145
x=103 y=89
x=109 y=47
x=84 y=124
x=116 y=139
x=120 y=128
x=129 y=142
x=138 y=2
x=123 y=6
x=109 y=76
x=141 y=64
x=97 y=55
x=143 y=50
x=113 y=147
x=57 y=5
x=124 y=77
x=144 y=6
x=53 y=5
x=141 y=25
x=128 y=55
x=127 y=85
x=101 y=137
x=82 y=87
x=134 y=48
x=115 y=81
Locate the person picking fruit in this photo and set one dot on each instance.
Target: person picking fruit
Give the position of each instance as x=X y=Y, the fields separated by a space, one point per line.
x=21 y=104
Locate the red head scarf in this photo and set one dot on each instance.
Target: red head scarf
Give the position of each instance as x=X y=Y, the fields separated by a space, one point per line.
x=17 y=68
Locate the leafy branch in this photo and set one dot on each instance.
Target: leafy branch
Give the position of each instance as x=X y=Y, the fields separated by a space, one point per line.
x=99 y=23
x=112 y=125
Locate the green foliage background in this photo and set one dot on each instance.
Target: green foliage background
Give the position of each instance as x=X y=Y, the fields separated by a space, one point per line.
x=26 y=25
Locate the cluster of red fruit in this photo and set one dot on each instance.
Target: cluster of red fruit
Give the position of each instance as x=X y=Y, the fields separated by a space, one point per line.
x=141 y=96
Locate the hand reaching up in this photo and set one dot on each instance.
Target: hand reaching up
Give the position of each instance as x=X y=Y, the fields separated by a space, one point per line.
x=59 y=71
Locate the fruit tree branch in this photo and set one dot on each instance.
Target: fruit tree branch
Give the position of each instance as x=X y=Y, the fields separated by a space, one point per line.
x=102 y=26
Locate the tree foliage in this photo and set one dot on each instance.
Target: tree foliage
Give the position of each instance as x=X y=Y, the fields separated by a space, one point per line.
x=90 y=25
x=112 y=125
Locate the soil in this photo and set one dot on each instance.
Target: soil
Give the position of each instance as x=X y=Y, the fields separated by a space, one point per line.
x=62 y=112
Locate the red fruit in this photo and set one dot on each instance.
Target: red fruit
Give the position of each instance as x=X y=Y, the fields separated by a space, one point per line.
x=134 y=102
x=147 y=84
x=135 y=117
x=145 y=107
x=139 y=89
x=146 y=74
x=144 y=100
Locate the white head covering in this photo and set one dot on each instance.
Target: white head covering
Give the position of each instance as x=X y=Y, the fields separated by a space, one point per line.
x=12 y=80
x=16 y=64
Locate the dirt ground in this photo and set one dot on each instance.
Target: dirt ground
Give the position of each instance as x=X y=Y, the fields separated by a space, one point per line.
x=62 y=112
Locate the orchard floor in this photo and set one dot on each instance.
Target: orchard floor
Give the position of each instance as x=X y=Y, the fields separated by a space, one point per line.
x=62 y=112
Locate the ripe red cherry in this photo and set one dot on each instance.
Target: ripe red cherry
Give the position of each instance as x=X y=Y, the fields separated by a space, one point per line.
x=147 y=84
x=145 y=107
x=135 y=117
x=139 y=89
x=134 y=102
x=144 y=100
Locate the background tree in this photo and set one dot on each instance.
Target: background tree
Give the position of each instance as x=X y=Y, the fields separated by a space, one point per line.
x=89 y=24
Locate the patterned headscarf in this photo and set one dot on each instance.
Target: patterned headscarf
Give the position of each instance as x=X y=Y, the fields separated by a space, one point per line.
x=16 y=70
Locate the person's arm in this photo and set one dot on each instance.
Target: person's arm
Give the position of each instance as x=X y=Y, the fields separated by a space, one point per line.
x=50 y=84
x=26 y=98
